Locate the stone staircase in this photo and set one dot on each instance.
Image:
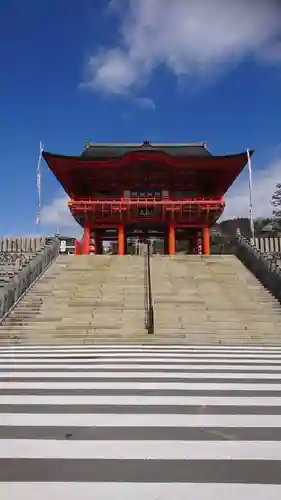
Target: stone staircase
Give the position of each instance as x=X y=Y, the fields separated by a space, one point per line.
x=213 y=300
x=81 y=299
x=100 y=299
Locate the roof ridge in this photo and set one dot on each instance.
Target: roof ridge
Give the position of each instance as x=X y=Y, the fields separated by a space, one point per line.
x=133 y=144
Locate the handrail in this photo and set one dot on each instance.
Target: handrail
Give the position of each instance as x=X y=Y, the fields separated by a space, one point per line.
x=149 y=310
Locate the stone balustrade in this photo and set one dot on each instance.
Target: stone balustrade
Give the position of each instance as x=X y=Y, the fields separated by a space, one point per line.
x=20 y=269
x=25 y=245
x=262 y=265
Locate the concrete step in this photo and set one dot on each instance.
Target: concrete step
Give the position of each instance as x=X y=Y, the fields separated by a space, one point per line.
x=81 y=297
x=217 y=296
x=100 y=299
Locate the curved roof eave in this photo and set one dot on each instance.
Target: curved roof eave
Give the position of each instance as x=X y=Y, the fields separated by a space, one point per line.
x=229 y=166
x=85 y=159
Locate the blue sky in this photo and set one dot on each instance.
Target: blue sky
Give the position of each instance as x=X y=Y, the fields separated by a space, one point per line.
x=120 y=70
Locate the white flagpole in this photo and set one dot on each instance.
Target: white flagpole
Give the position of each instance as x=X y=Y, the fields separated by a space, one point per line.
x=38 y=182
x=250 y=196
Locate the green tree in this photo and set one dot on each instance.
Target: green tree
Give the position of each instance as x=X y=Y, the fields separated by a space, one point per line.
x=276 y=203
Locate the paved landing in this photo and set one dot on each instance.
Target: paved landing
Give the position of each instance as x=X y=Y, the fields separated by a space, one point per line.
x=153 y=422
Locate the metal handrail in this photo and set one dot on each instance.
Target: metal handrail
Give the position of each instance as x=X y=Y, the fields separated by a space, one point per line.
x=149 y=309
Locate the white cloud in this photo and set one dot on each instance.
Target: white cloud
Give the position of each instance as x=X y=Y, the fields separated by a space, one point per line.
x=145 y=103
x=111 y=71
x=264 y=183
x=192 y=38
x=56 y=215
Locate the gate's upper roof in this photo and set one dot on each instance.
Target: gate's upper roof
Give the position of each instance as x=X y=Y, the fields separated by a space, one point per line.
x=102 y=151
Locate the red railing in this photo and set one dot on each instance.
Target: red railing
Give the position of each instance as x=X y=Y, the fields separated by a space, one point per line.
x=153 y=199
x=127 y=210
x=124 y=204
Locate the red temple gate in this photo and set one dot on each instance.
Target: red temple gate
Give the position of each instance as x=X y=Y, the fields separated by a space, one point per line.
x=163 y=188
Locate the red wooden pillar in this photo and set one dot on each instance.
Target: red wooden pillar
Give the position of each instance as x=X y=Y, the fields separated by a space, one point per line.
x=121 y=240
x=172 y=240
x=77 y=248
x=206 y=241
x=86 y=240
